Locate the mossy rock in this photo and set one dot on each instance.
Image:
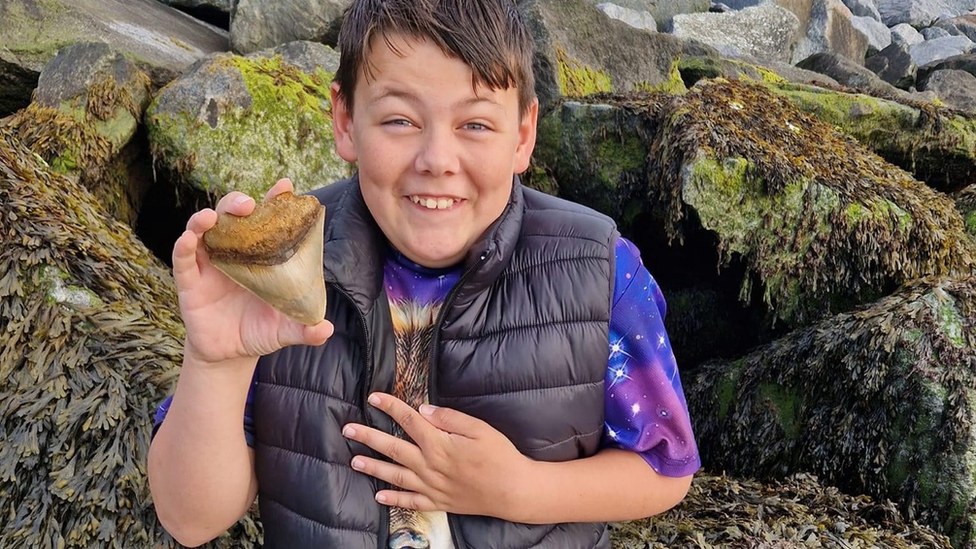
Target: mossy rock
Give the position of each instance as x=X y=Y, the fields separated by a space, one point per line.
x=798 y=511
x=878 y=401
x=966 y=202
x=822 y=223
x=936 y=144
x=85 y=114
x=236 y=123
x=90 y=343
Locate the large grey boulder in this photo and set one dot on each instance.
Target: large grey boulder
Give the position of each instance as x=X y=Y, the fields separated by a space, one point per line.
x=863 y=8
x=258 y=24
x=878 y=35
x=903 y=33
x=931 y=33
x=638 y=19
x=830 y=30
x=878 y=401
x=579 y=51
x=222 y=6
x=894 y=65
x=662 y=11
x=921 y=13
x=236 y=123
x=765 y=32
x=931 y=52
x=850 y=74
x=964 y=25
x=965 y=62
x=163 y=41
x=956 y=88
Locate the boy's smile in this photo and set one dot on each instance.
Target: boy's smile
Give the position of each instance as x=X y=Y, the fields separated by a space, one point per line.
x=436 y=155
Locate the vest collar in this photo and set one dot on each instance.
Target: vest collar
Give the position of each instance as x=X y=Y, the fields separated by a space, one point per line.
x=354 y=244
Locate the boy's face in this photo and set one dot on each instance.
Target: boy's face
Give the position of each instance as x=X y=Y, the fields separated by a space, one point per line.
x=436 y=157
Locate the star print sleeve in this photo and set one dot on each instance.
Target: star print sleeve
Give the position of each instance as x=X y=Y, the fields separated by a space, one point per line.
x=646 y=410
x=163 y=409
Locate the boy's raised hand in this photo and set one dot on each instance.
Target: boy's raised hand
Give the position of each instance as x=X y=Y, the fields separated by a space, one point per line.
x=223 y=320
x=457 y=463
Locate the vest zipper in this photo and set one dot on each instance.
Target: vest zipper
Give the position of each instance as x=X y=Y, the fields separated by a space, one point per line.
x=452 y=519
x=384 y=532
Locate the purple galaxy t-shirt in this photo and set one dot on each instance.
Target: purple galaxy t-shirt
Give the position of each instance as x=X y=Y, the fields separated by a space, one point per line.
x=646 y=410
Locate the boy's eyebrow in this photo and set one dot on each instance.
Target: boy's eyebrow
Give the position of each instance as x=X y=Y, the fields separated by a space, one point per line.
x=411 y=98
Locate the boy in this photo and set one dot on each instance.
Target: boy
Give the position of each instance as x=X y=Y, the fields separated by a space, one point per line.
x=530 y=328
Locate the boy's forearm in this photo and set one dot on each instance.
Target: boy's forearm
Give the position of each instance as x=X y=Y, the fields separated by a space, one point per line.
x=200 y=468
x=613 y=485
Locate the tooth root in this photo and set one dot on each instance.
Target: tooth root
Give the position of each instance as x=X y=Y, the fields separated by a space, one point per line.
x=296 y=287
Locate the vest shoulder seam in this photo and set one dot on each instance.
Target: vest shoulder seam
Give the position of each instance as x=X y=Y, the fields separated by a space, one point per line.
x=265 y=498
x=306 y=390
x=444 y=398
x=508 y=273
x=525 y=327
x=303 y=454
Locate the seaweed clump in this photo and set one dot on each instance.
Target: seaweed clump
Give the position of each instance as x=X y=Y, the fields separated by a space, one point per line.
x=878 y=401
x=90 y=343
x=797 y=511
x=820 y=222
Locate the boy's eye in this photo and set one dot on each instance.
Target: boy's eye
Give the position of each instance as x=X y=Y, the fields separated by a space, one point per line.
x=399 y=122
x=477 y=126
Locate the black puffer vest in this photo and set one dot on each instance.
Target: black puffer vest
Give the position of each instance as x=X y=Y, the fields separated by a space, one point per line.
x=522 y=344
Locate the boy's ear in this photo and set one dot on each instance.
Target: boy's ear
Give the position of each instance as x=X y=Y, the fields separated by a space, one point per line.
x=526 y=143
x=342 y=126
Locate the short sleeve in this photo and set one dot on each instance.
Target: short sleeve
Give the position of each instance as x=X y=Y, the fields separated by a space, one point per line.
x=646 y=411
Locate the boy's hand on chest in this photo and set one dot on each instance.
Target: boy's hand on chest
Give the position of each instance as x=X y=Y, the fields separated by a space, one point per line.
x=456 y=463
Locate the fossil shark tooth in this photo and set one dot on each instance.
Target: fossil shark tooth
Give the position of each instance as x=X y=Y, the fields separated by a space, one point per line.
x=276 y=253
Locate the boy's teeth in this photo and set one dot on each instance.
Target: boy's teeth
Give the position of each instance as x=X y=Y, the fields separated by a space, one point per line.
x=433 y=203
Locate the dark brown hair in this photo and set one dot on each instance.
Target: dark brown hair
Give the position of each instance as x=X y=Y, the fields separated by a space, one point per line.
x=487 y=35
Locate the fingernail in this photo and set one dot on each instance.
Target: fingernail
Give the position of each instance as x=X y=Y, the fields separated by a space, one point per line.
x=374 y=400
x=427 y=409
x=358 y=464
x=380 y=498
x=241 y=199
x=349 y=432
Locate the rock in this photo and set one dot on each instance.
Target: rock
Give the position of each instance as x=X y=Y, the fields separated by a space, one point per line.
x=965 y=62
x=863 y=8
x=894 y=65
x=903 y=33
x=921 y=13
x=966 y=202
x=765 y=32
x=16 y=84
x=86 y=111
x=878 y=35
x=931 y=33
x=661 y=11
x=830 y=30
x=964 y=25
x=162 y=40
x=956 y=88
x=931 y=52
x=235 y=123
x=92 y=342
x=695 y=68
x=886 y=391
x=572 y=58
x=850 y=74
x=637 y=19
x=222 y=6
x=936 y=145
x=257 y=24
x=308 y=57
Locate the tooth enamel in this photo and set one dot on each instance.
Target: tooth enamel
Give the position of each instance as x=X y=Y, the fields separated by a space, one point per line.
x=431 y=204
x=444 y=203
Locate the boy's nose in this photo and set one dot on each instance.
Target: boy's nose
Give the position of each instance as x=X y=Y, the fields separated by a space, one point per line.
x=438 y=154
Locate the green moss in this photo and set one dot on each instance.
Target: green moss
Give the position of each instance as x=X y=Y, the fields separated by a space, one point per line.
x=785 y=406
x=727 y=388
x=948 y=318
x=971 y=222
x=286 y=132
x=675 y=84
x=577 y=79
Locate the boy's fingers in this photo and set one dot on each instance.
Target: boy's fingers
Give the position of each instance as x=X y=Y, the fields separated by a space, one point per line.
x=185 y=266
x=282 y=186
x=413 y=424
x=406 y=500
x=452 y=421
x=202 y=221
x=397 y=475
x=236 y=203
x=397 y=449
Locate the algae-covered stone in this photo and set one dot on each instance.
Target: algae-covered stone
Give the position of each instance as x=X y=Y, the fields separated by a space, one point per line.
x=90 y=343
x=878 y=401
x=966 y=202
x=236 y=123
x=938 y=145
x=86 y=110
x=798 y=511
x=160 y=39
x=572 y=57
x=822 y=223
